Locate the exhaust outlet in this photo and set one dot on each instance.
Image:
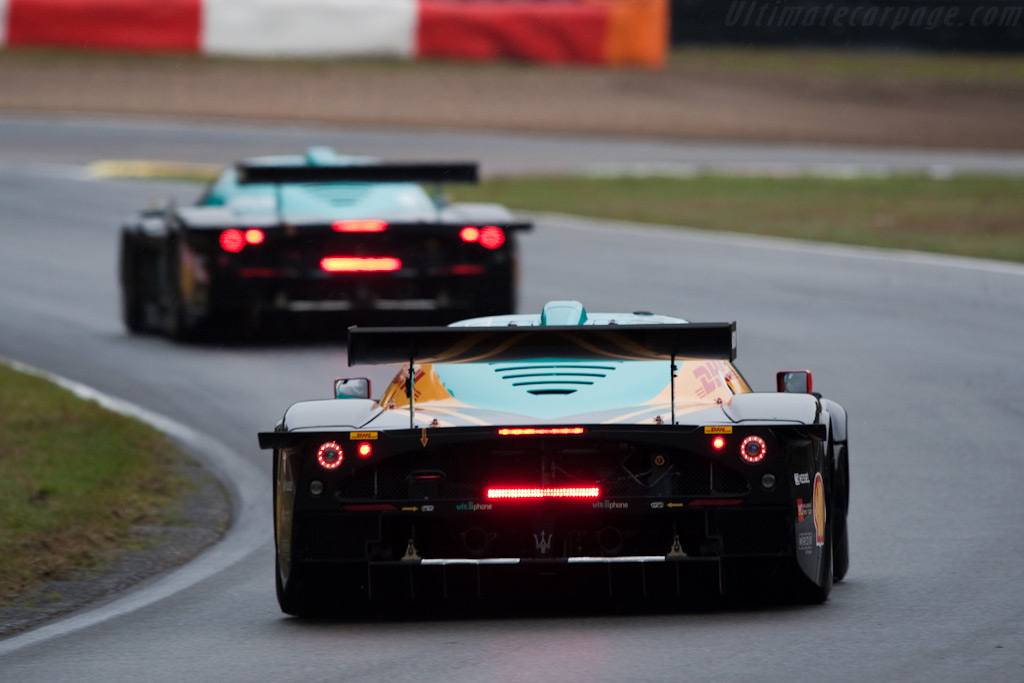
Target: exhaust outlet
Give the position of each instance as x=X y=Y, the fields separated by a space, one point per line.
x=475 y=541
x=609 y=540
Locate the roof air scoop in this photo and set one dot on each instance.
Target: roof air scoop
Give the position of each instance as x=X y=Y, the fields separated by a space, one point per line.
x=563 y=313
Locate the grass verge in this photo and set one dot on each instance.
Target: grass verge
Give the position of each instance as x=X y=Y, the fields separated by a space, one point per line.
x=963 y=215
x=74 y=480
x=976 y=216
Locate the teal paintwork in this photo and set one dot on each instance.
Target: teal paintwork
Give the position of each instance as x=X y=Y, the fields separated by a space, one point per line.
x=335 y=201
x=594 y=387
x=555 y=388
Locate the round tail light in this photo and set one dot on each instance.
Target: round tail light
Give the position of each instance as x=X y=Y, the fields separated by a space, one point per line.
x=232 y=241
x=753 y=449
x=492 y=237
x=329 y=455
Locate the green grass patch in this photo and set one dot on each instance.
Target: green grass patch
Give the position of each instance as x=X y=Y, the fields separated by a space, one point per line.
x=886 y=66
x=965 y=215
x=74 y=479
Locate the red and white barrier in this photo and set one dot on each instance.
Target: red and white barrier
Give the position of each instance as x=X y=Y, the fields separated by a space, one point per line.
x=581 y=31
x=345 y=28
x=135 y=25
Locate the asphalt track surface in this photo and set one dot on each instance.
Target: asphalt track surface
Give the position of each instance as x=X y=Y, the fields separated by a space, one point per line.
x=923 y=351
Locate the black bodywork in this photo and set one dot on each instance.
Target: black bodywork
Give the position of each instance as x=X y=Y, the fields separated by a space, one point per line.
x=673 y=521
x=679 y=514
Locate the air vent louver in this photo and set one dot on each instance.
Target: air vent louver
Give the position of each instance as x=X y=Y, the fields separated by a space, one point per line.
x=547 y=379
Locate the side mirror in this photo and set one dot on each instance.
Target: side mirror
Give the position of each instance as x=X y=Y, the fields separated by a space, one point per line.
x=352 y=387
x=794 y=382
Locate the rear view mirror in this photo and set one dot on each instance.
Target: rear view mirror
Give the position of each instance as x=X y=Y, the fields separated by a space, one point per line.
x=352 y=387
x=794 y=382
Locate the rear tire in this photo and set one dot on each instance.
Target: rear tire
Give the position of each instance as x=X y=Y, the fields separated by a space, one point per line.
x=294 y=591
x=132 y=313
x=294 y=595
x=841 y=498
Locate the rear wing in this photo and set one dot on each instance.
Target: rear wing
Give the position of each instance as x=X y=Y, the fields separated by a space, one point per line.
x=381 y=345
x=461 y=172
x=221 y=218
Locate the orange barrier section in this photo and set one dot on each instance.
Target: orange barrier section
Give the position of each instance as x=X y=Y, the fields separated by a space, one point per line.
x=549 y=31
x=638 y=33
x=135 y=25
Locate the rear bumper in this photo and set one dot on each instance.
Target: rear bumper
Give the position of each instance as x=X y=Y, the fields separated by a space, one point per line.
x=547 y=534
x=530 y=583
x=507 y=580
x=371 y=292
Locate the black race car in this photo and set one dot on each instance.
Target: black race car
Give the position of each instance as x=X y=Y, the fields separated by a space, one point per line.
x=294 y=237
x=560 y=454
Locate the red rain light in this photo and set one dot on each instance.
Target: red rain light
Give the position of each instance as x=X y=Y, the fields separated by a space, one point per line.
x=534 y=493
x=468 y=269
x=232 y=241
x=469 y=234
x=254 y=236
x=329 y=455
x=365 y=450
x=718 y=443
x=355 y=264
x=364 y=225
x=492 y=237
x=753 y=449
x=539 y=431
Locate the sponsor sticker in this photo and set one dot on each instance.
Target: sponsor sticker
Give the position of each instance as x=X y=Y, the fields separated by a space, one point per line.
x=718 y=429
x=610 y=505
x=803 y=510
x=801 y=478
x=805 y=541
x=362 y=436
x=819 y=510
x=657 y=505
x=474 y=507
x=427 y=508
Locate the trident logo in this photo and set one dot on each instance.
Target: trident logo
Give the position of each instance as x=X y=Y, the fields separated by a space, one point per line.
x=543 y=543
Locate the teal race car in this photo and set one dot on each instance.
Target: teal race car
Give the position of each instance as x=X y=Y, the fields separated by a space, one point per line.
x=319 y=236
x=556 y=455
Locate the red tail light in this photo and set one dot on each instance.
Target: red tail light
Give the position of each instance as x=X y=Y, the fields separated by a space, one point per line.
x=254 y=236
x=365 y=225
x=232 y=240
x=356 y=264
x=718 y=443
x=489 y=237
x=753 y=449
x=365 y=450
x=533 y=493
x=539 y=431
x=329 y=455
x=492 y=237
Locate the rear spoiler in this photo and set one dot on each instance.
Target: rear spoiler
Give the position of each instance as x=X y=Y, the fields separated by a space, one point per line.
x=220 y=218
x=380 y=345
x=367 y=173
